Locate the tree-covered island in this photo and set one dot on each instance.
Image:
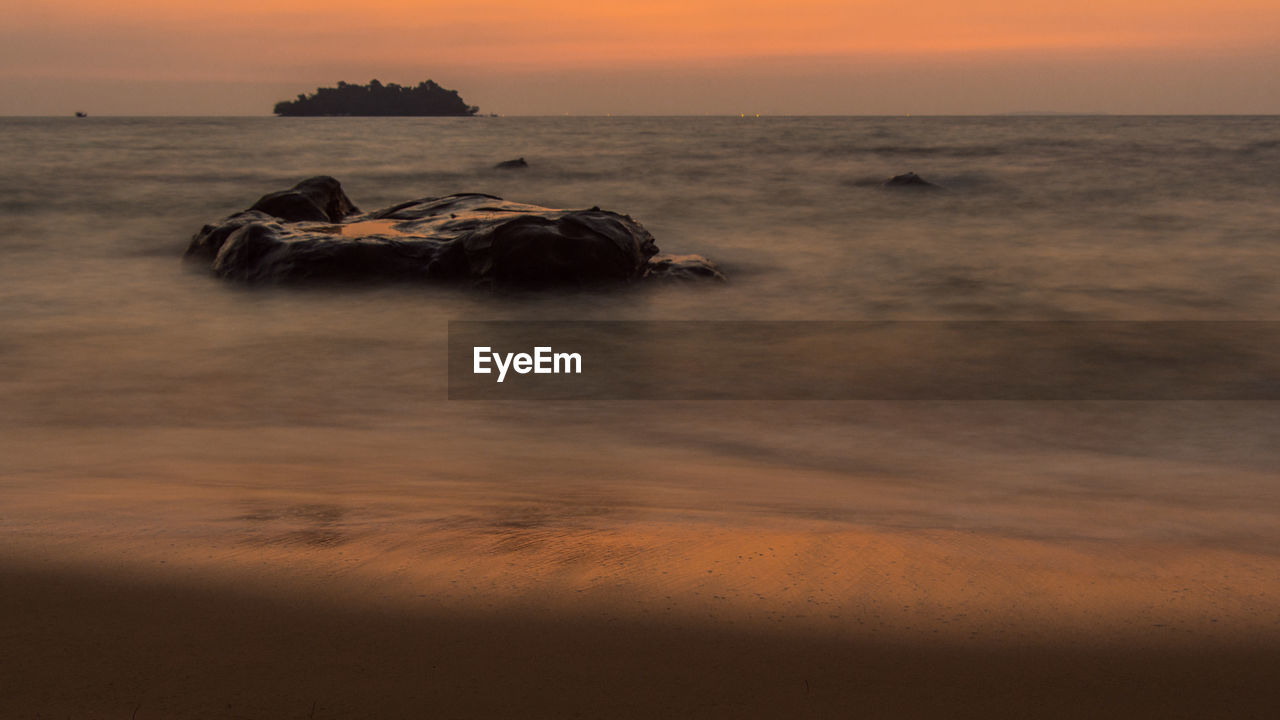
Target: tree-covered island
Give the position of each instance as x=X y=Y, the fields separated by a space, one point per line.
x=375 y=99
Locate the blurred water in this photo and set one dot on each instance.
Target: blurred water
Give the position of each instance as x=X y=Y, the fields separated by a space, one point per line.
x=1124 y=218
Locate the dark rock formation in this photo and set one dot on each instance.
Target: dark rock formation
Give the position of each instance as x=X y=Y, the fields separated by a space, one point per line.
x=319 y=198
x=511 y=164
x=313 y=232
x=682 y=267
x=910 y=180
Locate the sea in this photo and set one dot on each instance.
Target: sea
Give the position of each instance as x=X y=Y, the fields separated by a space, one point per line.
x=120 y=363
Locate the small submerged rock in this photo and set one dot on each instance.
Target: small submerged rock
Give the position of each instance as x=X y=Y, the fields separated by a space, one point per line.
x=909 y=180
x=682 y=267
x=313 y=232
x=516 y=164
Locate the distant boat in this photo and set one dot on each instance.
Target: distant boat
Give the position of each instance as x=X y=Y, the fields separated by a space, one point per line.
x=81 y=114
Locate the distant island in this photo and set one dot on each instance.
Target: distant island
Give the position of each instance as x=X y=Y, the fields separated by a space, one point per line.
x=375 y=99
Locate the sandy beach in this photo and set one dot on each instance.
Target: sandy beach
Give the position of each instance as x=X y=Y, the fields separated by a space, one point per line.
x=291 y=589
x=643 y=622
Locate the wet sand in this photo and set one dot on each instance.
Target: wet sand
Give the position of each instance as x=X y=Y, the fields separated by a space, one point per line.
x=253 y=590
x=104 y=647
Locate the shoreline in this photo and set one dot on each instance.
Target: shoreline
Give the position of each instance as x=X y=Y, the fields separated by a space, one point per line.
x=641 y=619
x=163 y=652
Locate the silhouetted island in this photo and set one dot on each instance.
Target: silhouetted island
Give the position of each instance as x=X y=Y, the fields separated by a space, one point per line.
x=375 y=99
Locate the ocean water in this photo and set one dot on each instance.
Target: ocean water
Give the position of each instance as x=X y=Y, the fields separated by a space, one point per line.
x=117 y=361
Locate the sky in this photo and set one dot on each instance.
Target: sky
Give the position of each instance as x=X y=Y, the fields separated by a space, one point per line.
x=652 y=57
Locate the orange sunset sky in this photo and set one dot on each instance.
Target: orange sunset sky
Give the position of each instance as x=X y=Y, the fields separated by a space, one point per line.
x=656 y=57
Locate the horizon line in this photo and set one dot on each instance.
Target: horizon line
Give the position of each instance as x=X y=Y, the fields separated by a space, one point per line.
x=748 y=116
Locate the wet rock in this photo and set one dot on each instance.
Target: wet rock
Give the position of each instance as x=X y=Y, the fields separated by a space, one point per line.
x=682 y=267
x=465 y=237
x=516 y=164
x=319 y=198
x=909 y=180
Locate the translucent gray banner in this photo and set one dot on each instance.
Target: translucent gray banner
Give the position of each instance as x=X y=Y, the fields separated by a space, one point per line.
x=703 y=360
